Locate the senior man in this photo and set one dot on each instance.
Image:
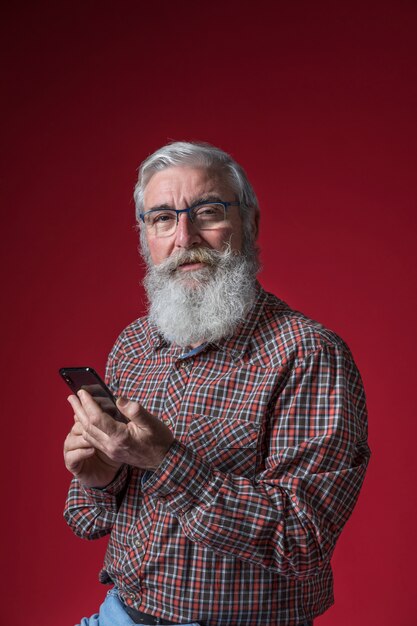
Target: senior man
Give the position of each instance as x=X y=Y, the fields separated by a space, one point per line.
x=246 y=444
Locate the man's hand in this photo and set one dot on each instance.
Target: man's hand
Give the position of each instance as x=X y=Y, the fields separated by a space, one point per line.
x=90 y=466
x=98 y=445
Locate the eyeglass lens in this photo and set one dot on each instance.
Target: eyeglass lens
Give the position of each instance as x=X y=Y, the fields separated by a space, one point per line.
x=163 y=223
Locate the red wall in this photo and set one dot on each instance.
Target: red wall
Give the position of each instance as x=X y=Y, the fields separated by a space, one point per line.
x=318 y=101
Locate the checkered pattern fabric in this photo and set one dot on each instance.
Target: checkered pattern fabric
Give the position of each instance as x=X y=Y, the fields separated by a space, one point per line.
x=238 y=524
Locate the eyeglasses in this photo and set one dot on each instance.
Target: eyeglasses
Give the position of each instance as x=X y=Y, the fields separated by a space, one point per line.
x=207 y=216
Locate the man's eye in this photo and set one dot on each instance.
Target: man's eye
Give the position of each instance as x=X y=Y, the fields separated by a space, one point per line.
x=162 y=218
x=209 y=210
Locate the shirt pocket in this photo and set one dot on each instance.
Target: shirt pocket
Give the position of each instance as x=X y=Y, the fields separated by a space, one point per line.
x=229 y=444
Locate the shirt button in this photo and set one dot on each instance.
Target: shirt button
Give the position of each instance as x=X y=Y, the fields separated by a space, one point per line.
x=138 y=543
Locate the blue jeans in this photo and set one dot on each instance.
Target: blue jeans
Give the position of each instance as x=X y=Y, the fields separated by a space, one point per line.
x=112 y=613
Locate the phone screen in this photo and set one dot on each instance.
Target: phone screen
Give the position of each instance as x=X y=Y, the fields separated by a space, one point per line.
x=87 y=378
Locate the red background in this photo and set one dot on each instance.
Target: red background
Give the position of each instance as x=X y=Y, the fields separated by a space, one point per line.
x=317 y=100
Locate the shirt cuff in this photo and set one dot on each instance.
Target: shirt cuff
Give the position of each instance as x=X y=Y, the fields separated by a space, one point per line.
x=183 y=480
x=106 y=496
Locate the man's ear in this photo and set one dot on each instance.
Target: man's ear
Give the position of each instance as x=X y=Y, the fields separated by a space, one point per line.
x=255 y=223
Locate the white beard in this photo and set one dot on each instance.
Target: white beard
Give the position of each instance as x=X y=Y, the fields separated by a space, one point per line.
x=205 y=305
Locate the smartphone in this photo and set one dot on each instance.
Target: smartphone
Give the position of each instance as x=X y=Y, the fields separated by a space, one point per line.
x=87 y=378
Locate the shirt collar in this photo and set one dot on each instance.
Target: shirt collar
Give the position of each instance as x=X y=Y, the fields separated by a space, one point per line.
x=156 y=340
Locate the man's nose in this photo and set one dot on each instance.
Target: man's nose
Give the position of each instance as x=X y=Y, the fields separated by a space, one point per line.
x=186 y=234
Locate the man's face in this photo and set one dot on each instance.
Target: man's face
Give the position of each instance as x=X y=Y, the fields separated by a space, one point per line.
x=180 y=188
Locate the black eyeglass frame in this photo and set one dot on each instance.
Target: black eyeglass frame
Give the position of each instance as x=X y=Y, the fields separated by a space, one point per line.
x=189 y=210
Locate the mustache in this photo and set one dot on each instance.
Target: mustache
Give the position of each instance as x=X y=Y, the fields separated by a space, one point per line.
x=208 y=256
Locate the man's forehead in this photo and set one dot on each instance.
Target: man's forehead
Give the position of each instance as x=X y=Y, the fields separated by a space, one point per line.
x=185 y=182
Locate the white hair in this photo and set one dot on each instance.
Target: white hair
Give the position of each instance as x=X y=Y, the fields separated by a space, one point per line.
x=198 y=154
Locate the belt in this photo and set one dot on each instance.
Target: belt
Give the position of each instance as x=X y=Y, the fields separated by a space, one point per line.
x=150 y=620
x=144 y=618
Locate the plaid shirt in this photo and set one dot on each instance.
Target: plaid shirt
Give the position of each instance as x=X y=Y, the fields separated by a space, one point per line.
x=238 y=524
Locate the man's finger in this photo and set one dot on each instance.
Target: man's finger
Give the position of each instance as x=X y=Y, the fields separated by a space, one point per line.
x=129 y=408
x=74 y=442
x=88 y=403
x=95 y=436
x=75 y=458
x=91 y=414
x=79 y=412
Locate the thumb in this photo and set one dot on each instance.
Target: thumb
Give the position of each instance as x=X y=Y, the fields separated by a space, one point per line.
x=130 y=409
